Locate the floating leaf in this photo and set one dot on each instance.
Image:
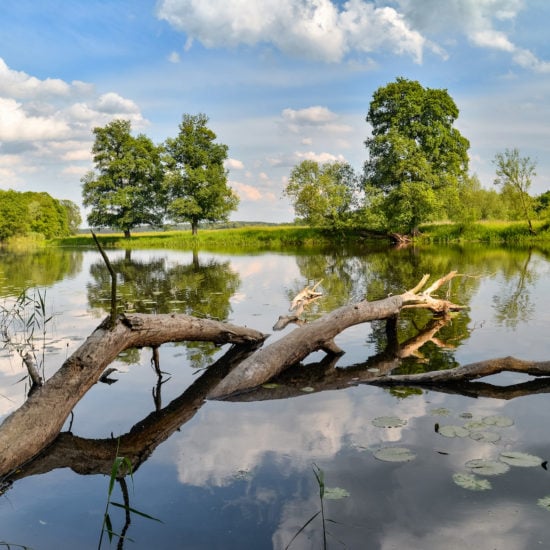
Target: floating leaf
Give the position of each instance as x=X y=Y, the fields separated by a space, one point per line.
x=475 y=425
x=441 y=411
x=485 y=436
x=270 y=386
x=544 y=503
x=484 y=467
x=453 y=431
x=335 y=493
x=471 y=482
x=394 y=454
x=524 y=460
x=388 y=422
x=307 y=389
x=498 y=420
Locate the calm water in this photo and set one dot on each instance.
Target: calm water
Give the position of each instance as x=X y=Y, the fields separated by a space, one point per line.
x=240 y=474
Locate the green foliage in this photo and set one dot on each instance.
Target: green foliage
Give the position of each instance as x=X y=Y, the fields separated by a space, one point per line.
x=125 y=190
x=196 y=180
x=413 y=149
x=323 y=195
x=122 y=466
x=38 y=213
x=513 y=175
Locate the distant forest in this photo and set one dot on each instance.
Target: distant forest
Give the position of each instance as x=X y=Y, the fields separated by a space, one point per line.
x=36 y=213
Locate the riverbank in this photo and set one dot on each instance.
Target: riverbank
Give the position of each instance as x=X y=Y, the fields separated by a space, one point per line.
x=246 y=239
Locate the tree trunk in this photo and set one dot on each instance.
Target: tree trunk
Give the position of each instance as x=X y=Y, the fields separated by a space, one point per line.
x=127 y=234
x=38 y=421
x=194 y=227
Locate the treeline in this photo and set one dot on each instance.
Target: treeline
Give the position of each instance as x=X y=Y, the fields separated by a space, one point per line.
x=416 y=171
x=24 y=213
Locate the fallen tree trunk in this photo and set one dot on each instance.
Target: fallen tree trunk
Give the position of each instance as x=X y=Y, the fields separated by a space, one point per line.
x=319 y=335
x=39 y=420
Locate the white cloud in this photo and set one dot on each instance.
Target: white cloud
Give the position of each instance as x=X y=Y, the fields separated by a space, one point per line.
x=309 y=116
x=327 y=31
x=247 y=192
x=16 y=124
x=234 y=164
x=319 y=157
x=320 y=30
x=174 y=57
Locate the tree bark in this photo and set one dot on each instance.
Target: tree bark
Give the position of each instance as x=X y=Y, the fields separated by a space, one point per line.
x=38 y=421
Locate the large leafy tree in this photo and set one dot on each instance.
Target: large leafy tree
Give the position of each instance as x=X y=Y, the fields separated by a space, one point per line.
x=414 y=150
x=196 y=180
x=125 y=190
x=322 y=195
x=514 y=174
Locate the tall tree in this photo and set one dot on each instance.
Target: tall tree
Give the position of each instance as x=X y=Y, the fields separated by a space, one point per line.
x=125 y=190
x=414 y=148
x=514 y=174
x=322 y=195
x=196 y=180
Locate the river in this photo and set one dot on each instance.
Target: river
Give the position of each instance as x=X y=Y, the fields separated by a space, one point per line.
x=247 y=473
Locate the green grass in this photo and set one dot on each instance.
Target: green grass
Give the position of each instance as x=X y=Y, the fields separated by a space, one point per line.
x=490 y=232
x=289 y=237
x=244 y=239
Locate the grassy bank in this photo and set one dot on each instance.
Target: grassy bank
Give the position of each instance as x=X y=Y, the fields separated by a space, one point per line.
x=250 y=239
x=490 y=232
x=231 y=240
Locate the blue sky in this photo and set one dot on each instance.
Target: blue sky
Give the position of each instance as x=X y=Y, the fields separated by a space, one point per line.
x=281 y=80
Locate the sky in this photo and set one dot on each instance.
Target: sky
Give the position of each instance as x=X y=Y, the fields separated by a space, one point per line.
x=280 y=80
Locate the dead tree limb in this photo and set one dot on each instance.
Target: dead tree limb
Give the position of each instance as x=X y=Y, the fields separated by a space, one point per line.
x=38 y=421
x=319 y=335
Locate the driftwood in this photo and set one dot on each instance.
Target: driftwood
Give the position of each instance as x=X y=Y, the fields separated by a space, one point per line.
x=320 y=334
x=36 y=424
x=38 y=421
x=305 y=297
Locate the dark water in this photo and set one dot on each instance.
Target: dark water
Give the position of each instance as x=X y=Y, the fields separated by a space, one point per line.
x=241 y=474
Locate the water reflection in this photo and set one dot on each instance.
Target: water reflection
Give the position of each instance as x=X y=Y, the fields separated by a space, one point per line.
x=157 y=285
x=238 y=474
x=21 y=270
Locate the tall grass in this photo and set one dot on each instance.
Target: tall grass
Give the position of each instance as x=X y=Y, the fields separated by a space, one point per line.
x=234 y=240
x=490 y=232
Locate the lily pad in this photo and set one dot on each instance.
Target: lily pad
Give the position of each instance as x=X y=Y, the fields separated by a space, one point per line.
x=498 y=420
x=524 y=460
x=335 y=493
x=475 y=425
x=388 y=422
x=484 y=467
x=270 y=386
x=394 y=454
x=307 y=389
x=485 y=436
x=471 y=482
x=440 y=411
x=451 y=430
x=544 y=503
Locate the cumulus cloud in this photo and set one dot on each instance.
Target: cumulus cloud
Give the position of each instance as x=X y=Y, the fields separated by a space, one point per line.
x=478 y=20
x=321 y=30
x=317 y=118
x=52 y=120
x=247 y=192
x=234 y=164
x=329 y=31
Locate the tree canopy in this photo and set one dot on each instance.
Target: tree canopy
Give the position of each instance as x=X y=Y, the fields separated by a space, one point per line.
x=514 y=174
x=38 y=213
x=323 y=195
x=125 y=190
x=416 y=156
x=196 y=180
